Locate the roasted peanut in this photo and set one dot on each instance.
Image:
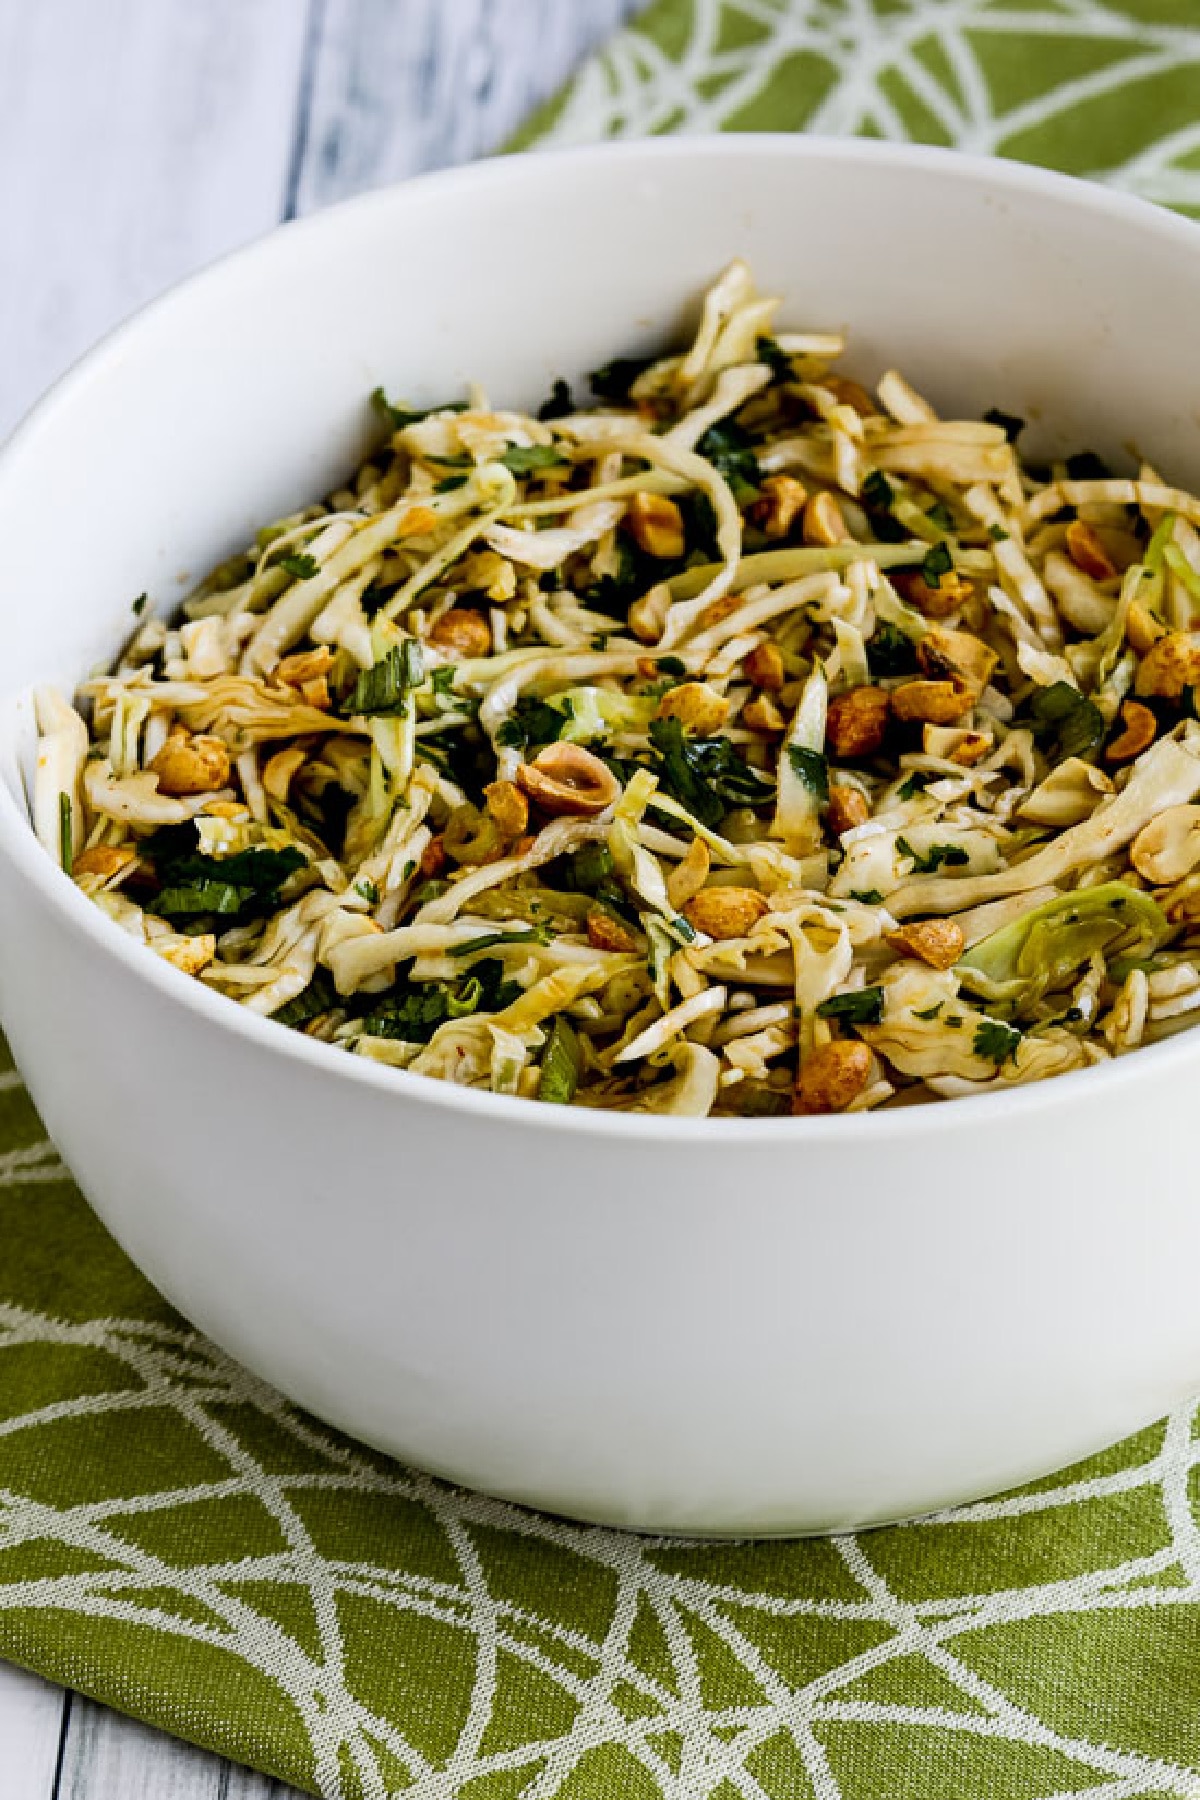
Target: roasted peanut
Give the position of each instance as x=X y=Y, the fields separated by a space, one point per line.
x=102 y=860
x=566 y=779
x=689 y=875
x=726 y=912
x=955 y=744
x=463 y=632
x=1168 y=848
x=655 y=524
x=823 y=520
x=762 y=714
x=935 y=702
x=783 y=499
x=508 y=806
x=831 y=1076
x=1088 y=552
x=952 y=592
x=857 y=721
x=1141 y=726
x=187 y=954
x=958 y=655
x=1170 y=665
x=848 y=807
x=304 y=666
x=433 y=859
x=194 y=765
x=938 y=942
x=764 y=667
x=695 y=705
x=606 y=932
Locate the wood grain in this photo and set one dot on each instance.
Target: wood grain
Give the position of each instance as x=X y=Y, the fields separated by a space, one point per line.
x=109 y=1757
x=31 y=1718
x=401 y=87
x=138 y=140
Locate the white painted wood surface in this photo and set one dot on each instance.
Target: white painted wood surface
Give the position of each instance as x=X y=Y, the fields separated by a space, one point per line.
x=139 y=139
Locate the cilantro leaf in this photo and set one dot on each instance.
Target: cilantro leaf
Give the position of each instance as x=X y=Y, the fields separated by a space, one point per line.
x=940 y=515
x=937 y=563
x=527 y=459
x=532 y=723
x=952 y=855
x=1064 y=722
x=704 y=774
x=778 y=361
x=867 y=896
x=891 y=651
x=813 y=769
x=383 y=690
x=413 y=1011
x=318 y=997
x=397 y=417
x=727 y=447
x=448 y=483
x=862 y=1007
x=878 y=497
x=996 y=1041
x=299 y=564
x=245 y=885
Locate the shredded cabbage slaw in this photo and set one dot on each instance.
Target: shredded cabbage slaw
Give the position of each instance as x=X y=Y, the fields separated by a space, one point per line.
x=739 y=743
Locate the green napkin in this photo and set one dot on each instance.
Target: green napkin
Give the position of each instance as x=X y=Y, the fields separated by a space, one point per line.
x=178 y=1541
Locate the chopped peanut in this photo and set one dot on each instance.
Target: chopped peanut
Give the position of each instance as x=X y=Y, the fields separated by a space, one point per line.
x=764 y=667
x=1088 y=552
x=938 y=942
x=857 y=721
x=945 y=653
x=226 y=809
x=655 y=524
x=606 y=932
x=689 y=875
x=463 y=632
x=508 y=806
x=191 y=765
x=1141 y=728
x=848 y=807
x=831 y=1076
x=695 y=705
x=433 y=858
x=1142 y=628
x=762 y=714
x=955 y=744
x=187 y=954
x=102 y=860
x=823 y=521
x=951 y=593
x=936 y=702
x=726 y=912
x=783 y=499
x=1168 y=848
x=305 y=666
x=567 y=780
x=1170 y=665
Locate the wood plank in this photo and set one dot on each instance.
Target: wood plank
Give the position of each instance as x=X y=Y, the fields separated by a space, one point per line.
x=108 y=1757
x=31 y=1723
x=404 y=85
x=137 y=142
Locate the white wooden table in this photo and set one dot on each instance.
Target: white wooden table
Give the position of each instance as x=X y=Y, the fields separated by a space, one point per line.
x=138 y=140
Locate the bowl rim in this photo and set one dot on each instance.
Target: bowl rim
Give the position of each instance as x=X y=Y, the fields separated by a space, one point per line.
x=20 y=845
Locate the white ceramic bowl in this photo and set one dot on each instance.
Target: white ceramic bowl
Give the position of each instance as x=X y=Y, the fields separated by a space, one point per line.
x=773 y=1326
